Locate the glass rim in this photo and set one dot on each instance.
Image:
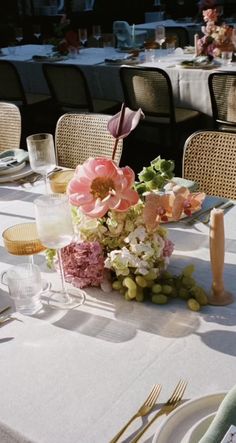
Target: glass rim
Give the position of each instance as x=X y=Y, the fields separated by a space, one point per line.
x=45 y=199
x=39 y=136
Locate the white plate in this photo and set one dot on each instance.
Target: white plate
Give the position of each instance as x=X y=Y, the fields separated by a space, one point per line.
x=11 y=169
x=17 y=175
x=200 y=428
x=179 y=425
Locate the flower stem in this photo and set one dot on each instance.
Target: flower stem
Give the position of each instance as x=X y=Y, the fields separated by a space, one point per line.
x=119 y=129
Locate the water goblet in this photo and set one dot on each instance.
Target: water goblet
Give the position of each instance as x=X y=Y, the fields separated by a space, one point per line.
x=37 y=31
x=83 y=35
x=160 y=36
x=41 y=154
x=97 y=33
x=19 y=37
x=55 y=230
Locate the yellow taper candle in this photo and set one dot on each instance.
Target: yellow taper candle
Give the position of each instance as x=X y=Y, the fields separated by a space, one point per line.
x=217 y=254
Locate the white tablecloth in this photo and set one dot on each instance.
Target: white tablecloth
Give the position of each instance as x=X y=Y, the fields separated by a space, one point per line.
x=78 y=376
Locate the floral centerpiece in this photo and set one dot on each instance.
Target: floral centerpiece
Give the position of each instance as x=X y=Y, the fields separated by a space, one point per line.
x=65 y=39
x=217 y=38
x=122 y=242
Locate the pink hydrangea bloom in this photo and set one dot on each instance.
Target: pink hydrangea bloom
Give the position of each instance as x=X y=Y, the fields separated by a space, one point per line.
x=99 y=185
x=83 y=263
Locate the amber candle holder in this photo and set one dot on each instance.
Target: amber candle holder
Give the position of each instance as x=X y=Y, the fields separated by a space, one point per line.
x=219 y=296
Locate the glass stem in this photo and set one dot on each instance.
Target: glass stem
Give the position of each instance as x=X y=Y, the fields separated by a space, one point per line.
x=31 y=259
x=45 y=178
x=63 y=282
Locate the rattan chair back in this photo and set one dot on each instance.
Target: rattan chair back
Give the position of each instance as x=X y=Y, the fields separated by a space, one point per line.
x=149 y=89
x=209 y=158
x=222 y=87
x=11 y=88
x=10 y=126
x=80 y=136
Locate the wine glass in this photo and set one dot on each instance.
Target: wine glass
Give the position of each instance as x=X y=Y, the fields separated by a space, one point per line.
x=160 y=35
x=19 y=35
x=55 y=230
x=97 y=33
x=41 y=154
x=37 y=31
x=83 y=35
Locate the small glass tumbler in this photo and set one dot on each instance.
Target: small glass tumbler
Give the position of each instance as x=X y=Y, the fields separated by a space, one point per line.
x=226 y=57
x=25 y=287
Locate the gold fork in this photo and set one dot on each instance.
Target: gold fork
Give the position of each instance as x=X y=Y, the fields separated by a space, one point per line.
x=143 y=410
x=168 y=407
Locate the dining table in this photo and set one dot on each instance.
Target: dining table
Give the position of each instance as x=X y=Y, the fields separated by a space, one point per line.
x=101 y=68
x=77 y=376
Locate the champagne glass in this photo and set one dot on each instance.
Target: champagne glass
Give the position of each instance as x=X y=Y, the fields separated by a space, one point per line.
x=97 y=33
x=160 y=35
x=55 y=230
x=41 y=154
x=83 y=35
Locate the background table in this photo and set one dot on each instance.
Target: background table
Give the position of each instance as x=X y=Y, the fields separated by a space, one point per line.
x=103 y=78
x=78 y=376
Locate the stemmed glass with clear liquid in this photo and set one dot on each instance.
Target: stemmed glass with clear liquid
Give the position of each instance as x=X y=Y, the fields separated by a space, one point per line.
x=41 y=154
x=83 y=35
x=160 y=36
x=55 y=230
x=97 y=33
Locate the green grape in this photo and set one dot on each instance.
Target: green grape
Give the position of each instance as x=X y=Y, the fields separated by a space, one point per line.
x=151 y=275
x=165 y=275
x=156 y=288
x=127 y=297
x=193 y=304
x=188 y=270
x=140 y=280
x=159 y=299
x=117 y=285
x=139 y=294
x=183 y=293
x=199 y=294
x=166 y=289
x=132 y=292
x=129 y=283
x=188 y=282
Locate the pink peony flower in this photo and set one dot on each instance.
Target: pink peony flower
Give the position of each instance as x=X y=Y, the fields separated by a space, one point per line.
x=99 y=185
x=83 y=263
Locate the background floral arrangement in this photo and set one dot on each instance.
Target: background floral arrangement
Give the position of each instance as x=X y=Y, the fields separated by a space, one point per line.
x=216 y=38
x=65 y=38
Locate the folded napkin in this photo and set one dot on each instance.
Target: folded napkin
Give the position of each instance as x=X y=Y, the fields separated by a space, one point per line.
x=191 y=185
x=225 y=417
x=12 y=157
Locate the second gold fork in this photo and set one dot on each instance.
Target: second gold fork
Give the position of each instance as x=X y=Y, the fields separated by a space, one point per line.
x=143 y=410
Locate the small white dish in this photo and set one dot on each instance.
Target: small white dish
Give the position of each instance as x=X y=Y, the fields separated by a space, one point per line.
x=16 y=175
x=180 y=424
x=12 y=169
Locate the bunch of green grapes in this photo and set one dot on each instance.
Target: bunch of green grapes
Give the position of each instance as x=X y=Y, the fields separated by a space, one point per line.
x=155 y=176
x=162 y=289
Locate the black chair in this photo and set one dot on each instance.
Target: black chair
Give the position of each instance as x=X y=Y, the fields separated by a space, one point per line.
x=150 y=89
x=69 y=88
x=36 y=109
x=222 y=87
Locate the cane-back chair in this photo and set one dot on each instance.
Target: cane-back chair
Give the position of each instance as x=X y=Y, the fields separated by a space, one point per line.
x=222 y=87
